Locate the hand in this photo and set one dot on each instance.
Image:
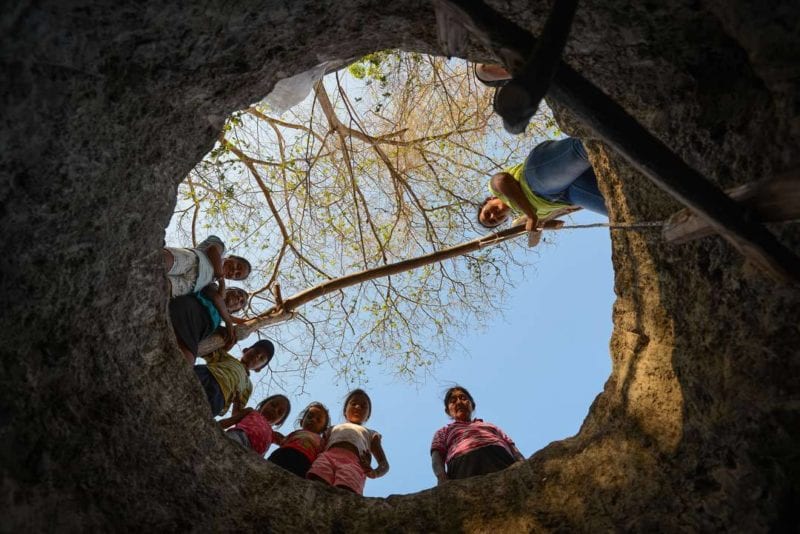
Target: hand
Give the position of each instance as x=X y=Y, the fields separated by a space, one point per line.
x=236 y=405
x=365 y=458
x=441 y=479
x=554 y=224
x=532 y=223
x=278 y=438
x=534 y=238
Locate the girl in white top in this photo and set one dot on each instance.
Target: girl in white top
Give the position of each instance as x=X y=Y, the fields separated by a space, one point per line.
x=346 y=462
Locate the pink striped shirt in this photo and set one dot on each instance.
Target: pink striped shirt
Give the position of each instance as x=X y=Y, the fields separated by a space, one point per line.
x=258 y=431
x=459 y=438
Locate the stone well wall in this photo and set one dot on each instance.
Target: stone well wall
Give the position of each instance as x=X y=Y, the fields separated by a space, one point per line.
x=102 y=427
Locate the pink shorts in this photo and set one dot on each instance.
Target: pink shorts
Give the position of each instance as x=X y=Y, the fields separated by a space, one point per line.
x=339 y=467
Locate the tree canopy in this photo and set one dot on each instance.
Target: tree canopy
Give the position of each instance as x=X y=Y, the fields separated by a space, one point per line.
x=387 y=161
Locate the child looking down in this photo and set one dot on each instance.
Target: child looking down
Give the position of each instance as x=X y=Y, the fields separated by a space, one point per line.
x=191 y=269
x=346 y=460
x=300 y=448
x=224 y=377
x=194 y=317
x=252 y=429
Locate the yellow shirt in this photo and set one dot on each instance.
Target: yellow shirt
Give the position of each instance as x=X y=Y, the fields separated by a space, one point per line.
x=542 y=206
x=231 y=375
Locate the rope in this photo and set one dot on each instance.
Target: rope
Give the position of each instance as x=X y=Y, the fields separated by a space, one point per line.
x=641 y=225
x=613 y=226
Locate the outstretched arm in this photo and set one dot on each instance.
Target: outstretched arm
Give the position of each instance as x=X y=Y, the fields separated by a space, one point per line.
x=214 y=254
x=219 y=303
x=505 y=184
x=237 y=414
x=438 y=467
x=380 y=456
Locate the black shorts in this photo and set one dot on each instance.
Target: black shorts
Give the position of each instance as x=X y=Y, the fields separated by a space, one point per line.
x=485 y=460
x=292 y=460
x=190 y=321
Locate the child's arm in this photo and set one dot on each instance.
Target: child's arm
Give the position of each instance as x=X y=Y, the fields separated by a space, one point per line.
x=506 y=185
x=380 y=456
x=214 y=254
x=326 y=435
x=237 y=413
x=219 y=303
x=437 y=464
x=278 y=438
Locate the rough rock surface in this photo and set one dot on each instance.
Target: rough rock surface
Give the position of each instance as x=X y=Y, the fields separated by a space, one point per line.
x=106 y=105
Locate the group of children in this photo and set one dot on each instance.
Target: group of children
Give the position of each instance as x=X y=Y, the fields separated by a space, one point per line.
x=199 y=300
x=339 y=455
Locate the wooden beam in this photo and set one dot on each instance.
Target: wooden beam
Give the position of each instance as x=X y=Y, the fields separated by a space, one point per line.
x=773 y=200
x=635 y=143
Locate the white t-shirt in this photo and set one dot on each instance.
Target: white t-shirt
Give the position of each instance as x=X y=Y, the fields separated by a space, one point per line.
x=356 y=435
x=205 y=271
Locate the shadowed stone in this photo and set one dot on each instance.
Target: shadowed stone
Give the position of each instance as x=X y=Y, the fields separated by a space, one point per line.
x=106 y=106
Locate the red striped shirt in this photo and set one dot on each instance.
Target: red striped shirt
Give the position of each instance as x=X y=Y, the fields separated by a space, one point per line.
x=258 y=431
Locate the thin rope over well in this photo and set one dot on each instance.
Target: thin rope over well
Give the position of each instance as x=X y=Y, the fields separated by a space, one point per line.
x=614 y=226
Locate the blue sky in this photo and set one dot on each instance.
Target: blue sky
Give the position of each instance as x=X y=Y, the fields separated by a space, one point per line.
x=534 y=371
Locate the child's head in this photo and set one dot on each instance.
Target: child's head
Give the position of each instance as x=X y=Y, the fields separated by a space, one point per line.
x=275 y=409
x=258 y=356
x=357 y=406
x=492 y=212
x=459 y=404
x=314 y=418
x=236 y=268
x=235 y=299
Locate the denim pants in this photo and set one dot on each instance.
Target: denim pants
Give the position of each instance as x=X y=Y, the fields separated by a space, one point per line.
x=560 y=171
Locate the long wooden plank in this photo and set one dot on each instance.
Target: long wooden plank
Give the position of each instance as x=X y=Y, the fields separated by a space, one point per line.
x=772 y=200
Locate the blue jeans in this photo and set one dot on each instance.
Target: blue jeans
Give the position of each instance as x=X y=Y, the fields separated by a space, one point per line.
x=560 y=171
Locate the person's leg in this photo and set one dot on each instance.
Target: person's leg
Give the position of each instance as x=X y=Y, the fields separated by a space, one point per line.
x=187 y=354
x=190 y=323
x=211 y=387
x=169 y=259
x=552 y=166
x=239 y=436
x=584 y=193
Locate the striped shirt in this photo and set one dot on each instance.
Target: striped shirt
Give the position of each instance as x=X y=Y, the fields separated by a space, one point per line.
x=305 y=441
x=258 y=431
x=231 y=375
x=459 y=438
